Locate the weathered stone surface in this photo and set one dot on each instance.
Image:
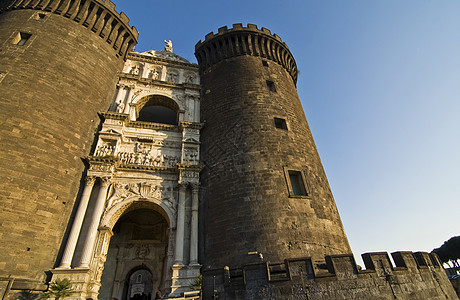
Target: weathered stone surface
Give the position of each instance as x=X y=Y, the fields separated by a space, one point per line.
x=52 y=89
x=247 y=203
x=342 y=281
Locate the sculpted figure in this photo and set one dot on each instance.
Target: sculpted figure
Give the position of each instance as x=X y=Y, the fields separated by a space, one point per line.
x=168 y=46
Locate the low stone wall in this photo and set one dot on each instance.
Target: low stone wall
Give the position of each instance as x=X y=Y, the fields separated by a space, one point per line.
x=416 y=276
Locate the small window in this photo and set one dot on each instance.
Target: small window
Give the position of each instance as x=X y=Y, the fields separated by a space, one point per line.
x=40 y=16
x=265 y=63
x=271 y=86
x=296 y=183
x=298 y=188
x=280 y=123
x=21 y=38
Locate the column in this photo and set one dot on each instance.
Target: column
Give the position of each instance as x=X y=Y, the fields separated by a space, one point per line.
x=128 y=100
x=94 y=223
x=197 y=110
x=180 y=223
x=77 y=223
x=194 y=226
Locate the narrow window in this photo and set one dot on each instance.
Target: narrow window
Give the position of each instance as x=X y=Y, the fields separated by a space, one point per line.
x=265 y=63
x=280 y=123
x=21 y=38
x=297 y=185
x=271 y=86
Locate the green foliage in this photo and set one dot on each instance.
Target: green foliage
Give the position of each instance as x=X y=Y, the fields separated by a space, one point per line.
x=59 y=289
x=450 y=250
x=27 y=295
x=198 y=282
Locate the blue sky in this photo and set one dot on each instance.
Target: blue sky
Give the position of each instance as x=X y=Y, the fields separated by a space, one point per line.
x=380 y=85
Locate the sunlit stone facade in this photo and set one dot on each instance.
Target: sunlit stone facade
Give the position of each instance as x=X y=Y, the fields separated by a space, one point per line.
x=138 y=211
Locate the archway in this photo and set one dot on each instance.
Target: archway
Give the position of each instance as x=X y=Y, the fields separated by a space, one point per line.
x=140 y=242
x=139 y=284
x=158 y=109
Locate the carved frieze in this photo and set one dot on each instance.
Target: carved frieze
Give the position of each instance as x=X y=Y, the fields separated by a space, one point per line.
x=120 y=191
x=101 y=168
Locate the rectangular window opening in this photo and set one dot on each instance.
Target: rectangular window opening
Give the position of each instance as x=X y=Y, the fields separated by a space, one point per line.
x=265 y=63
x=280 y=123
x=21 y=38
x=271 y=86
x=297 y=183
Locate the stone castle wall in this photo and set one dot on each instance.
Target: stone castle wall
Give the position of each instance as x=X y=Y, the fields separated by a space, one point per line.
x=416 y=276
x=53 y=83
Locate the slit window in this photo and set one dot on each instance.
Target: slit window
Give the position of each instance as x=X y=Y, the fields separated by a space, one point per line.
x=271 y=86
x=21 y=38
x=280 y=123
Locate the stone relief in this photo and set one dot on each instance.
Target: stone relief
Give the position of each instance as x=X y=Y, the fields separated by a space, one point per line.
x=166 y=55
x=135 y=94
x=142 y=251
x=190 y=77
x=190 y=174
x=172 y=77
x=154 y=74
x=120 y=191
x=191 y=156
x=135 y=70
x=101 y=168
x=105 y=150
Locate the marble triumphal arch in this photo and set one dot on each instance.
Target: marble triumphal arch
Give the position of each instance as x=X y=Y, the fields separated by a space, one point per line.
x=135 y=227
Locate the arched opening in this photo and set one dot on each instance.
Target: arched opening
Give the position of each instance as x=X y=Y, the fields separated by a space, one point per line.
x=159 y=109
x=139 y=285
x=137 y=256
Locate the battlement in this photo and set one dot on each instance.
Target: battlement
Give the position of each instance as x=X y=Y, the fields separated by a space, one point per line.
x=97 y=15
x=337 y=266
x=241 y=40
x=415 y=271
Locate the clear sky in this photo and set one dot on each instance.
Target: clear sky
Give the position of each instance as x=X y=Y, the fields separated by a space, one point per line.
x=380 y=85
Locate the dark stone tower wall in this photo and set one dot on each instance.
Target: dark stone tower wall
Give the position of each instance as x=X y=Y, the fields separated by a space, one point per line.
x=51 y=90
x=248 y=79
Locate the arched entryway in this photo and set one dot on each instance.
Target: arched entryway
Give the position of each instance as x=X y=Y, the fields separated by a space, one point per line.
x=139 y=284
x=137 y=248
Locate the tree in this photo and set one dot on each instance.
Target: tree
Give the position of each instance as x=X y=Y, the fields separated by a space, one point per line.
x=449 y=252
x=198 y=282
x=59 y=289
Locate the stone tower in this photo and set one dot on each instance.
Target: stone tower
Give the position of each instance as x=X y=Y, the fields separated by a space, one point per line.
x=265 y=194
x=58 y=67
x=269 y=224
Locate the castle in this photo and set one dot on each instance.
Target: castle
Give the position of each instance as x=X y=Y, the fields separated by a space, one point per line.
x=131 y=173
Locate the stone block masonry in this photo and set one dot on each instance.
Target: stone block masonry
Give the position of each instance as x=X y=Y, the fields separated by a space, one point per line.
x=60 y=61
x=415 y=276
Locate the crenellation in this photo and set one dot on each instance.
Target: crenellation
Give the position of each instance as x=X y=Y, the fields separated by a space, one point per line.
x=343 y=278
x=89 y=13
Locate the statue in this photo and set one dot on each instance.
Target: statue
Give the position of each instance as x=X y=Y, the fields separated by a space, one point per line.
x=168 y=46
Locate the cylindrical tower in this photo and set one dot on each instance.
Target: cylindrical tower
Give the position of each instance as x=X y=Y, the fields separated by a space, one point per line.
x=58 y=65
x=264 y=189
